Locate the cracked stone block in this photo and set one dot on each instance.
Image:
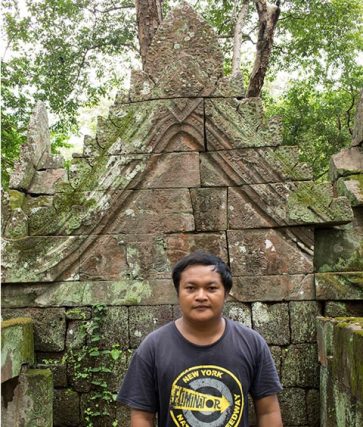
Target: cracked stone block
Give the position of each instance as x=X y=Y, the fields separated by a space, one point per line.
x=300 y=366
x=303 y=320
x=272 y=322
x=144 y=321
x=45 y=320
x=264 y=252
x=238 y=312
x=210 y=208
x=66 y=407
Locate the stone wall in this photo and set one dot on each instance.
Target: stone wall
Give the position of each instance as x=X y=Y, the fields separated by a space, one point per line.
x=26 y=394
x=340 y=343
x=182 y=162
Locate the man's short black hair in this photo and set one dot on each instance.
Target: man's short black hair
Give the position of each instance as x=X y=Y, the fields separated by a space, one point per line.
x=203 y=258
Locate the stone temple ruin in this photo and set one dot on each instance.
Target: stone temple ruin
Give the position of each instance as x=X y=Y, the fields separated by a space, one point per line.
x=183 y=162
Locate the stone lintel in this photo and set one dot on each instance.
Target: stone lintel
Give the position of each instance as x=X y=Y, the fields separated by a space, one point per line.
x=339 y=286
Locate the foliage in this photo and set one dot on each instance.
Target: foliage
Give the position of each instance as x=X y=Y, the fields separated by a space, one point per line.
x=56 y=52
x=67 y=53
x=92 y=363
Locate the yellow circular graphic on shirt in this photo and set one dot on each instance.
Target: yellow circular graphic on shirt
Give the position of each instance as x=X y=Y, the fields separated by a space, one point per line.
x=206 y=396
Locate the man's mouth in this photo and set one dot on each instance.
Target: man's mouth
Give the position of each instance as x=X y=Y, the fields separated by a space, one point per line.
x=201 y=307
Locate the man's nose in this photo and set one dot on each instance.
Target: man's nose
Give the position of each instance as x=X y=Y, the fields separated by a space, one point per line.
x=201 y=294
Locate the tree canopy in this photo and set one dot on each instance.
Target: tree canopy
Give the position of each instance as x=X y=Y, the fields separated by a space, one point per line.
x=69 y=53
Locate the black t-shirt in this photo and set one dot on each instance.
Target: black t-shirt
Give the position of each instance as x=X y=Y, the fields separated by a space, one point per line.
x=200 y=386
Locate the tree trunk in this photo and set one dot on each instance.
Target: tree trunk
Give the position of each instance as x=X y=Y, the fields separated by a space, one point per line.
x=237 y=39
x=268 y=14
x=148 y=15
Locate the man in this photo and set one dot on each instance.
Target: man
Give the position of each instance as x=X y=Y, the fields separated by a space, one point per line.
x=198 y=370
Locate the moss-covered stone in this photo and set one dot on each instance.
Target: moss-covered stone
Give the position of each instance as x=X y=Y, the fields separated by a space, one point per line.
x=352 y=188
x=314 y=203
x=300 y=366
x=303 y=320
x=16 y=199
x=293 y=408
x=66 y=407
x=272 y=322
x=17 y=346
x=339 y=286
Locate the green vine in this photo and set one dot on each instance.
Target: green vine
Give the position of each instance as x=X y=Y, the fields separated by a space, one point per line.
x=90 y=362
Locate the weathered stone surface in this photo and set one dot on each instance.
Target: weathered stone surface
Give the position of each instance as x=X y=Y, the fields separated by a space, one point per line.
x=153 y=211
x=43 y=182
x=339 y=286
x=118 y=334
x=16 y=226
x=96 y=410
x=238 y=124
x=272 y=322
x=179 y=245
x=72 y=294
x=37 y=146
x=273 y=288
x=58 y=369
x=17 y=346
x=239 y=313
x=143 y=322
x=252 y=166
x=347 y=162
x=358 y=123
x=300 y=366
x=117 y=362
x=39 y=259
x=231 y=86
x=169 y=171
x=29 y=403
x=325 y=334
x=276 y=353
x=45 y=320
x=292 y=402
x=343 y=309
x=352 y=188
x=339 y=249
x=66 y=407
x=78 y=313
x=303 y=320
x=313 y=407
x=210 y=208
x=76 y=335
x=264 y=252
x=184 y=56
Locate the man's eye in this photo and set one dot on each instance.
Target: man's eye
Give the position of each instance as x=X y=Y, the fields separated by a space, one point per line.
x=213 y=288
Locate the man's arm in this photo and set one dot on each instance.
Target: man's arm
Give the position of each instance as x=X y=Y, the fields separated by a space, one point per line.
x=142 y=418
x=268 y=412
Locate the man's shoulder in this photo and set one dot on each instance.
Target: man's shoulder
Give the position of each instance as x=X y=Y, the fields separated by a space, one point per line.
x=154 y=337
x=245 y=331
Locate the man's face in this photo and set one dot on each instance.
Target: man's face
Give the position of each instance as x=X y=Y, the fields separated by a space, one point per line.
x=201 y=293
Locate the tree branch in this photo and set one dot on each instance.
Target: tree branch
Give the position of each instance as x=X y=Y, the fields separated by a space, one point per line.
x=237 y=40
x=268 y=15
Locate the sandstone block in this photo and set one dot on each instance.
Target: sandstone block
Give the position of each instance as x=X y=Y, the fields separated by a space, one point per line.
x=29 y=402
x=169 y=171
x=313 y=407
x=343 y=309
x=78 y=313
x=292 y=402
x=303 y=320
x=325 y=333
x=76 y=335
x=179 y=245
x=145 y=321
x=273 y=288
x=44 y=181
x=264 y=252
x=300 y=366
x=58 y=369
x=272 y=322
x=210 y=208
x=237 y=124
x=276 y=353
x=238 y=312
x=66 y=407
x=116 y=360
x=44 y=320
x=154 y=211
x=96 y=410
x=339 y=249
x=17 y=346
x=339 y=286
x=358 y=123
x=251 y=166
x=347 y=162
x=118 y=334
x=16 y=226
x=352 y=188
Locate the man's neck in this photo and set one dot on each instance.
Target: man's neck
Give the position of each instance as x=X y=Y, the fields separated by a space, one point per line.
x=201 y=333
